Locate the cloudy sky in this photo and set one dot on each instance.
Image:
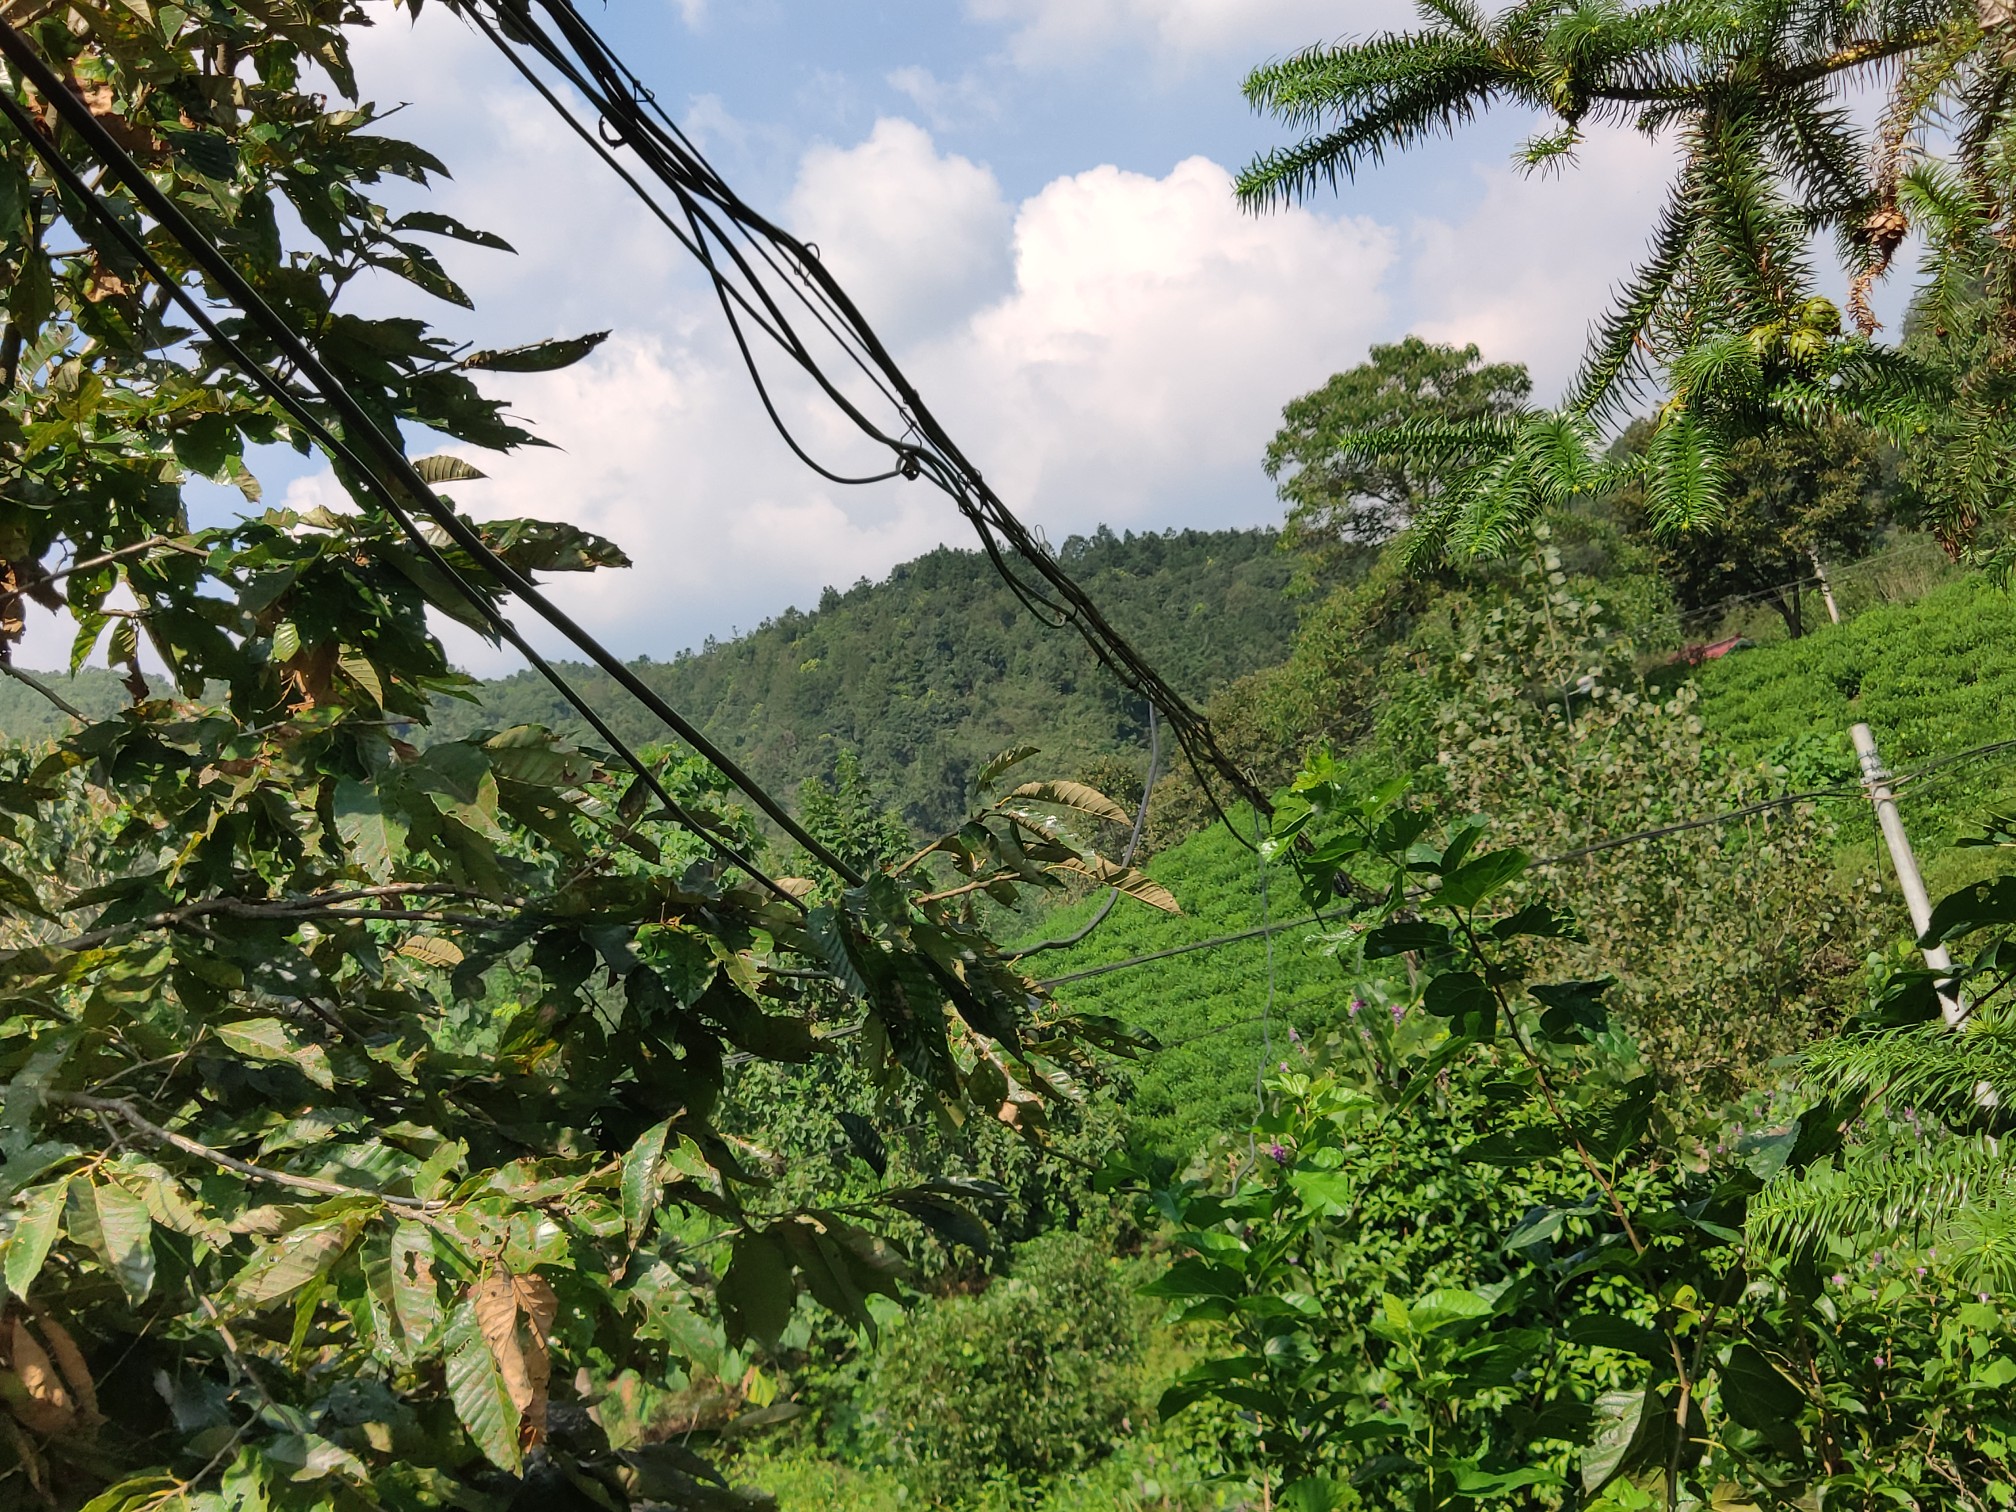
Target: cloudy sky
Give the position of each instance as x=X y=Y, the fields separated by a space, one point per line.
x=1032 y=200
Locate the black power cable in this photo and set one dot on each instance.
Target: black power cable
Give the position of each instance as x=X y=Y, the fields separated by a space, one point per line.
x=356 y=420
x=630 y=117
x=293 y=405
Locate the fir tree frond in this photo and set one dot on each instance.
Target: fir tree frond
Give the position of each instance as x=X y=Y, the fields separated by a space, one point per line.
x=1433 y=103
x=1931 y=1070
x=1912 y=1193
x=1612 y=371
x=1750 y=240
x=1686 y=476
x=1459 y=15
x=1326 y=84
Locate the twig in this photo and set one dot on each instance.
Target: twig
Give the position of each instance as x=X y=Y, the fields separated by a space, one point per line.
x=141 y=1124
x=32 y=681
x=138 y=548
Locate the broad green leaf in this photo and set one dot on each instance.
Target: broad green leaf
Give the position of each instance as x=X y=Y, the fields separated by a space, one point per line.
x=1447 y=1306
x=360 y=671
x=1516 y=1147
x=539 y=356
x=1574 y=1010
x=1406 y=936
x=125 y=1234
x=375 y=836
x=18 y=896
x=1759 y=1395
x=1317 y=1493
x=416 y=1297
x=1463 y=998
x=551 y=546
x=286 y=641
x=951 y=1221
x=268 y=1039
x=476 y=1387
x=756 y=1292
x=1983 y=905
x=437 y=224
x=1540 y=921
x=41 y=1221
x=1194 y=1276
x=1608 y=1331
x=288 y=1263
x=640 y=1178
x=526 y=753
x=1076 y=796
x=1476 y=880
x=1623 y=1426
x=1013 y=757
x=1328 y=1194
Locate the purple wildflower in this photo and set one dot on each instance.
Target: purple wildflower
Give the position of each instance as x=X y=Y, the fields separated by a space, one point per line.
x=1357 y=1006
x=1278 y=1154
x=1399 y=1012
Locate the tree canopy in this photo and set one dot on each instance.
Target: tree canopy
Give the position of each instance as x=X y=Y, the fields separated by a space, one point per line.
x=358 y=1093
x=1723 y=318
x=1336 y=493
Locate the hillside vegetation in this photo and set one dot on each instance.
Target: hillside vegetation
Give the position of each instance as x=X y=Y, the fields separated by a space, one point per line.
x=1931 y=677
x=930 y=673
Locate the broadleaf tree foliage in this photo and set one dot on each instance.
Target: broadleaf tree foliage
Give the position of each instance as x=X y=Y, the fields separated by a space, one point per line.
x=1723 y=321
x=358 y=1091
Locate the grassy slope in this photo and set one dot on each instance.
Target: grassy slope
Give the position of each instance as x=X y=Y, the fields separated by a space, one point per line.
x=27 y=715
x=1202 y=1006
x=1930 y=678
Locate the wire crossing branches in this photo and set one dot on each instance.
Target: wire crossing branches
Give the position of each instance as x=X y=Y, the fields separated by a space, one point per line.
x=765 y=280
x=388 y=473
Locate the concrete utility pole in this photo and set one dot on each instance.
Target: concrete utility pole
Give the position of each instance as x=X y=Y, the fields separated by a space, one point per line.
x=1876 y=778
x=1826 y=588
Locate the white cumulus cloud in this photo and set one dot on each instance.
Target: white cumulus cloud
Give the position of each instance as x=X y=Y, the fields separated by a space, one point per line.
x=917 y=237
x=1538 y=258
x=1138 y=369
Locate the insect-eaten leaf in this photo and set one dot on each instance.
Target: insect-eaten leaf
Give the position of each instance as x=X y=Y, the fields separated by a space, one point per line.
x=551 y=546
x=538 y=356
x=515 y=1314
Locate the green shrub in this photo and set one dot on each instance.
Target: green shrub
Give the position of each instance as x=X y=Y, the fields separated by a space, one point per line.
x=1031 y=1378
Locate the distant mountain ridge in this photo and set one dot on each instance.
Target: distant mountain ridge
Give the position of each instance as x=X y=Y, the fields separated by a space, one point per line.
x=938 y=667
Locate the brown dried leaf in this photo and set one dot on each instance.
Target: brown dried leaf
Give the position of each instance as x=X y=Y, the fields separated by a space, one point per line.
x=70 y=1361
x=35 y=1392
x=522 y=1355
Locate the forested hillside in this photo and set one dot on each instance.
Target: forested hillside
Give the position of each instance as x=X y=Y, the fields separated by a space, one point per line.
x=1503 y=1071
x=931 y=672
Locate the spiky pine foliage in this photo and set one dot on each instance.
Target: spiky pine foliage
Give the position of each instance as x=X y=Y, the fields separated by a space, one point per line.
x=1722 y=317
x=1954 y=1197
x=1933 y=1168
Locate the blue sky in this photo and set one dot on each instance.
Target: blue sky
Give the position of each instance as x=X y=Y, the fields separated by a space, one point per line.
x=1032 y=200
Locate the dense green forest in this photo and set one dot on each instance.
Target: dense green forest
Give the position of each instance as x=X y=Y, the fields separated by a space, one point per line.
x=925 y=675
x=1499 y=1068
x=929 y=674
